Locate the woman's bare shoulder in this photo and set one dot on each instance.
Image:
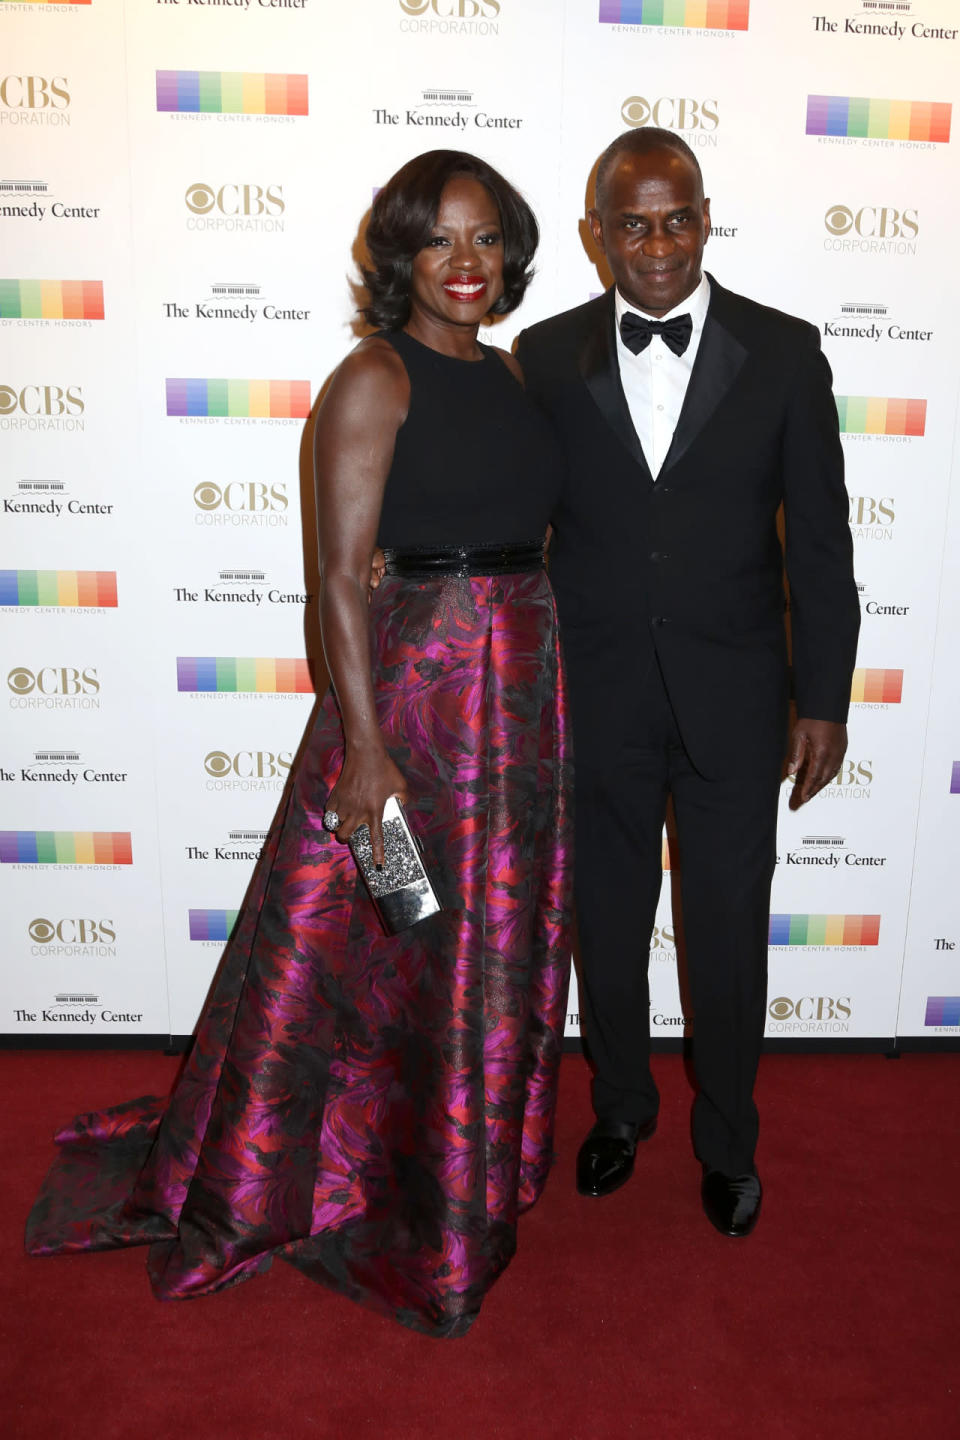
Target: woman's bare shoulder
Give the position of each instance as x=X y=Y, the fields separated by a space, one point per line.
x=372 y=373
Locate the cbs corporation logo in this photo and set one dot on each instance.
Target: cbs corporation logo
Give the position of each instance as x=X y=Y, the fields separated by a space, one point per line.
x=875 y=229
x=698 y=119
x=450 y=17
x=241 y=503
x=54 y=687
x=72 y=931
x=811 y=1014
x=247 y=769
x=234 y=207
x=34 y=100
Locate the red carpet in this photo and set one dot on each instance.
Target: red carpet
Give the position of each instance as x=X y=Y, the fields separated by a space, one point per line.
x=618 y=1318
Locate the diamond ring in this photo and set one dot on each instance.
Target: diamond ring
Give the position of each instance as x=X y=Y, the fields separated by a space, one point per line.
x=331 y=820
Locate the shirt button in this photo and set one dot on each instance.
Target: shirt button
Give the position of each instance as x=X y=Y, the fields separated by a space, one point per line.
x=659 y=407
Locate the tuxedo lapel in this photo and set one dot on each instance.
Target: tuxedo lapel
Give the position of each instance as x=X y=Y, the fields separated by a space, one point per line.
x=720 y=358
x=601 y=374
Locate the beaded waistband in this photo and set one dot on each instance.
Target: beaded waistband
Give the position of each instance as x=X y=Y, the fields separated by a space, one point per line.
x=420 y=562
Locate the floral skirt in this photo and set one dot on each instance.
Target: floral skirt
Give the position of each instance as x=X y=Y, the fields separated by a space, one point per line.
x=376 y=1110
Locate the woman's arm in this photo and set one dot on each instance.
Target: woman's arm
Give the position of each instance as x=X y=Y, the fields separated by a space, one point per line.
x=356 y=429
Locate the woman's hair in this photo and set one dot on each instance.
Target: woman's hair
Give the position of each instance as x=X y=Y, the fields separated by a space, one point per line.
x=402 y=218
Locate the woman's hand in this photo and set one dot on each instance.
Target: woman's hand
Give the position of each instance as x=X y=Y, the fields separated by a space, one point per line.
x=378 y=568
x=367 y=780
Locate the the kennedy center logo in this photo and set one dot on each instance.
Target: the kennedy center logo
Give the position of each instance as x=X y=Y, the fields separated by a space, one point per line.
x=675 y=16
x=696 y=119
x=855 y=119
x=232 y=94
x=33 y=200
x=450 y=17
x=446 y=107
x=34 y=100
x=889 y=21
x=863 y=320
x=233 y=300
x=49 y=499
x=240 y=587
x=61 y=767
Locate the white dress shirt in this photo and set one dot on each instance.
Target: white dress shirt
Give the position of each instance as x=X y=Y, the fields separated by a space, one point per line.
x=655 y=381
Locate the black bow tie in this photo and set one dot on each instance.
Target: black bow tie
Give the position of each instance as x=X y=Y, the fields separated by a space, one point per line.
x=636 y=332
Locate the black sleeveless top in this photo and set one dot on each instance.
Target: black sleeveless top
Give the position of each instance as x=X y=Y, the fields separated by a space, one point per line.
x=475 y=461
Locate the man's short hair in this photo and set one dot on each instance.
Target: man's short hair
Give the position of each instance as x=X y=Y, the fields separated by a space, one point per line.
x=640 y=141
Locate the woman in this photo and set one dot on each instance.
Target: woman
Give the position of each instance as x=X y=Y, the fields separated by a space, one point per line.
x=378 y=1110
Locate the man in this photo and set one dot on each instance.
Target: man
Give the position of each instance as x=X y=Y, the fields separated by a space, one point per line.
x=689 y=415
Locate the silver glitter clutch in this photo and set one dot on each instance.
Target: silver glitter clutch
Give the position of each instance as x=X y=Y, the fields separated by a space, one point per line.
x=402 y=891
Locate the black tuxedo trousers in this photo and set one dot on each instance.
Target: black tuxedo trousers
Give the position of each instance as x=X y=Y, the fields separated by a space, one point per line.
x=671 y=603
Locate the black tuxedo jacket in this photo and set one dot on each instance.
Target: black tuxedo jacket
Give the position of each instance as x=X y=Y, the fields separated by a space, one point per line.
x=689 y=569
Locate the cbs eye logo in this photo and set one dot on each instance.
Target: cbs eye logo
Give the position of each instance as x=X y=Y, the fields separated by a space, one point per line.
x=781 y=1008
x=200 y=199
x=838 y=220
x=42 y=931
x=207 y=496
x=217 y=764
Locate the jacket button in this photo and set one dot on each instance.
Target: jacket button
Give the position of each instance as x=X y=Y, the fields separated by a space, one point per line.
x=657 y=555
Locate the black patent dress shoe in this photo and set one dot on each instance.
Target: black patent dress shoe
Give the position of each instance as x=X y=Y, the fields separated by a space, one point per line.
x=605 y=1161
x=731 y=1202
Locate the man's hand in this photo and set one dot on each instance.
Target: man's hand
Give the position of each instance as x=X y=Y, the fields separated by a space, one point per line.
x=817 y=748
x=378 y=566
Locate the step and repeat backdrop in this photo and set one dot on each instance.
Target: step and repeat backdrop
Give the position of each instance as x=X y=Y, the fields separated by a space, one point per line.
x=183 y=189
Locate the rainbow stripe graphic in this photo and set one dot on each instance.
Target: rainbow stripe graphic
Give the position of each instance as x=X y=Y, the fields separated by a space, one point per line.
x=234 y=675
x=65 y=847
x=689 y=14
x=942 y=1010
x=955 y=778
x=824 y=929
x=231 y=92
x=63 y=588
x=871 y=415
x=255 y=399
x=877 y=687
x=878 y=119
x=212 y=924
x=51 y=299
